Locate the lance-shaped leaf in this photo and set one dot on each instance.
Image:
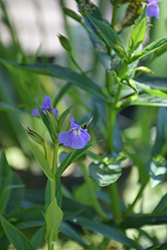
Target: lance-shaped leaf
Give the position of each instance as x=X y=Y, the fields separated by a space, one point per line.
x=108 y=231
x=71 y=157
x=108 y=61
x=149 y=49
x=7 y=108
x=5 y=181
x=137 y=35
x=161 y=135
x=109 y=35
x=80 y=80
x=63 y=116
x=145 y=100
x=53 y=218
x=148 y=89
x=42 y=162
x=17 y=238
x=138 y=32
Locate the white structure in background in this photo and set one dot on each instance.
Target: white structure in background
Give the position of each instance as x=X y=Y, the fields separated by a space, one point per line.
x=37 y=23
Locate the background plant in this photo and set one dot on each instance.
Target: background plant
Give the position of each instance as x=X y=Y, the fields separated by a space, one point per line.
x=120 y=87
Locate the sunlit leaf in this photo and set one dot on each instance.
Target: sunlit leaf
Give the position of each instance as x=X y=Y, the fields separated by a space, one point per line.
x=53 y=218
x=42 y=162
x=105 y=174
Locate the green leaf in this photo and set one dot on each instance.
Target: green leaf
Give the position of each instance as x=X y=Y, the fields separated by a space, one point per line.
x=105 y=174
x=141 y=17
x=80 y=80
x=108 y=231
x=108 y=61
x=142 y=220
x=109 y=35
x=162 y=205
x=5 y=182
x=160 y=139
x=148 y=89
x=16 y=195
x=42 y=162
x=134 y=64
x=37 y=238
x=71 y=233
x=137 y=35
x=17 y=238
x=64 y=115
x=71 y=157
x=149 y=49
x=157 y=170
x=154 y=82
x=149 y=100
x=28 y=217
x=53 y=218
x=7 y=108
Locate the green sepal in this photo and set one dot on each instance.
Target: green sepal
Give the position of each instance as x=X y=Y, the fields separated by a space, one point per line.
x=34 y=136
x=65 y=42
x=72 y=14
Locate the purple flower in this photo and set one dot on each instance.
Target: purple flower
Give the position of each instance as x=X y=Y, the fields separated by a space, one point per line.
x=74 y=138
x=153 y=8
x=46 y=106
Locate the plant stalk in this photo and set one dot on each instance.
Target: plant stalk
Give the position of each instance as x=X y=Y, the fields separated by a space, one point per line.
x=130 y=208
x=95 y=202
x=111 y=114
x=54 y=168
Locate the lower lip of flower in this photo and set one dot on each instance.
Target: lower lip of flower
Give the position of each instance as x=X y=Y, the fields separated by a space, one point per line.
x=76 y=132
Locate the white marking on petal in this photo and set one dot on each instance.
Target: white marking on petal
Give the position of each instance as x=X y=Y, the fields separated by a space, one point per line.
x=76 y=132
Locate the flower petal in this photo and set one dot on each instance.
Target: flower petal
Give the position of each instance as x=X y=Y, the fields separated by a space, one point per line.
x=153 y=10
x=35 y=112
x=73 y=124
x=85 y=135
x=77 y=142
x=65 y=138
x=55 y=111
x=46 y=102
x=153 y=1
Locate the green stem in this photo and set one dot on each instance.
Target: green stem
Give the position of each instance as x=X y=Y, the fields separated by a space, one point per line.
x=45 y=151
x=53 y=185
x=54 y=168
x=76 y=64
x=61 y=170
x=139 y=194
x=94 y=199
x=111 y=114
x=50 y=245
x=114 y=14
x=114 y=196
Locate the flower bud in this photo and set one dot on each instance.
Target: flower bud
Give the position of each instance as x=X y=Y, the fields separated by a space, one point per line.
x=72 y=14
x=65 y=42
x=36 y=137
